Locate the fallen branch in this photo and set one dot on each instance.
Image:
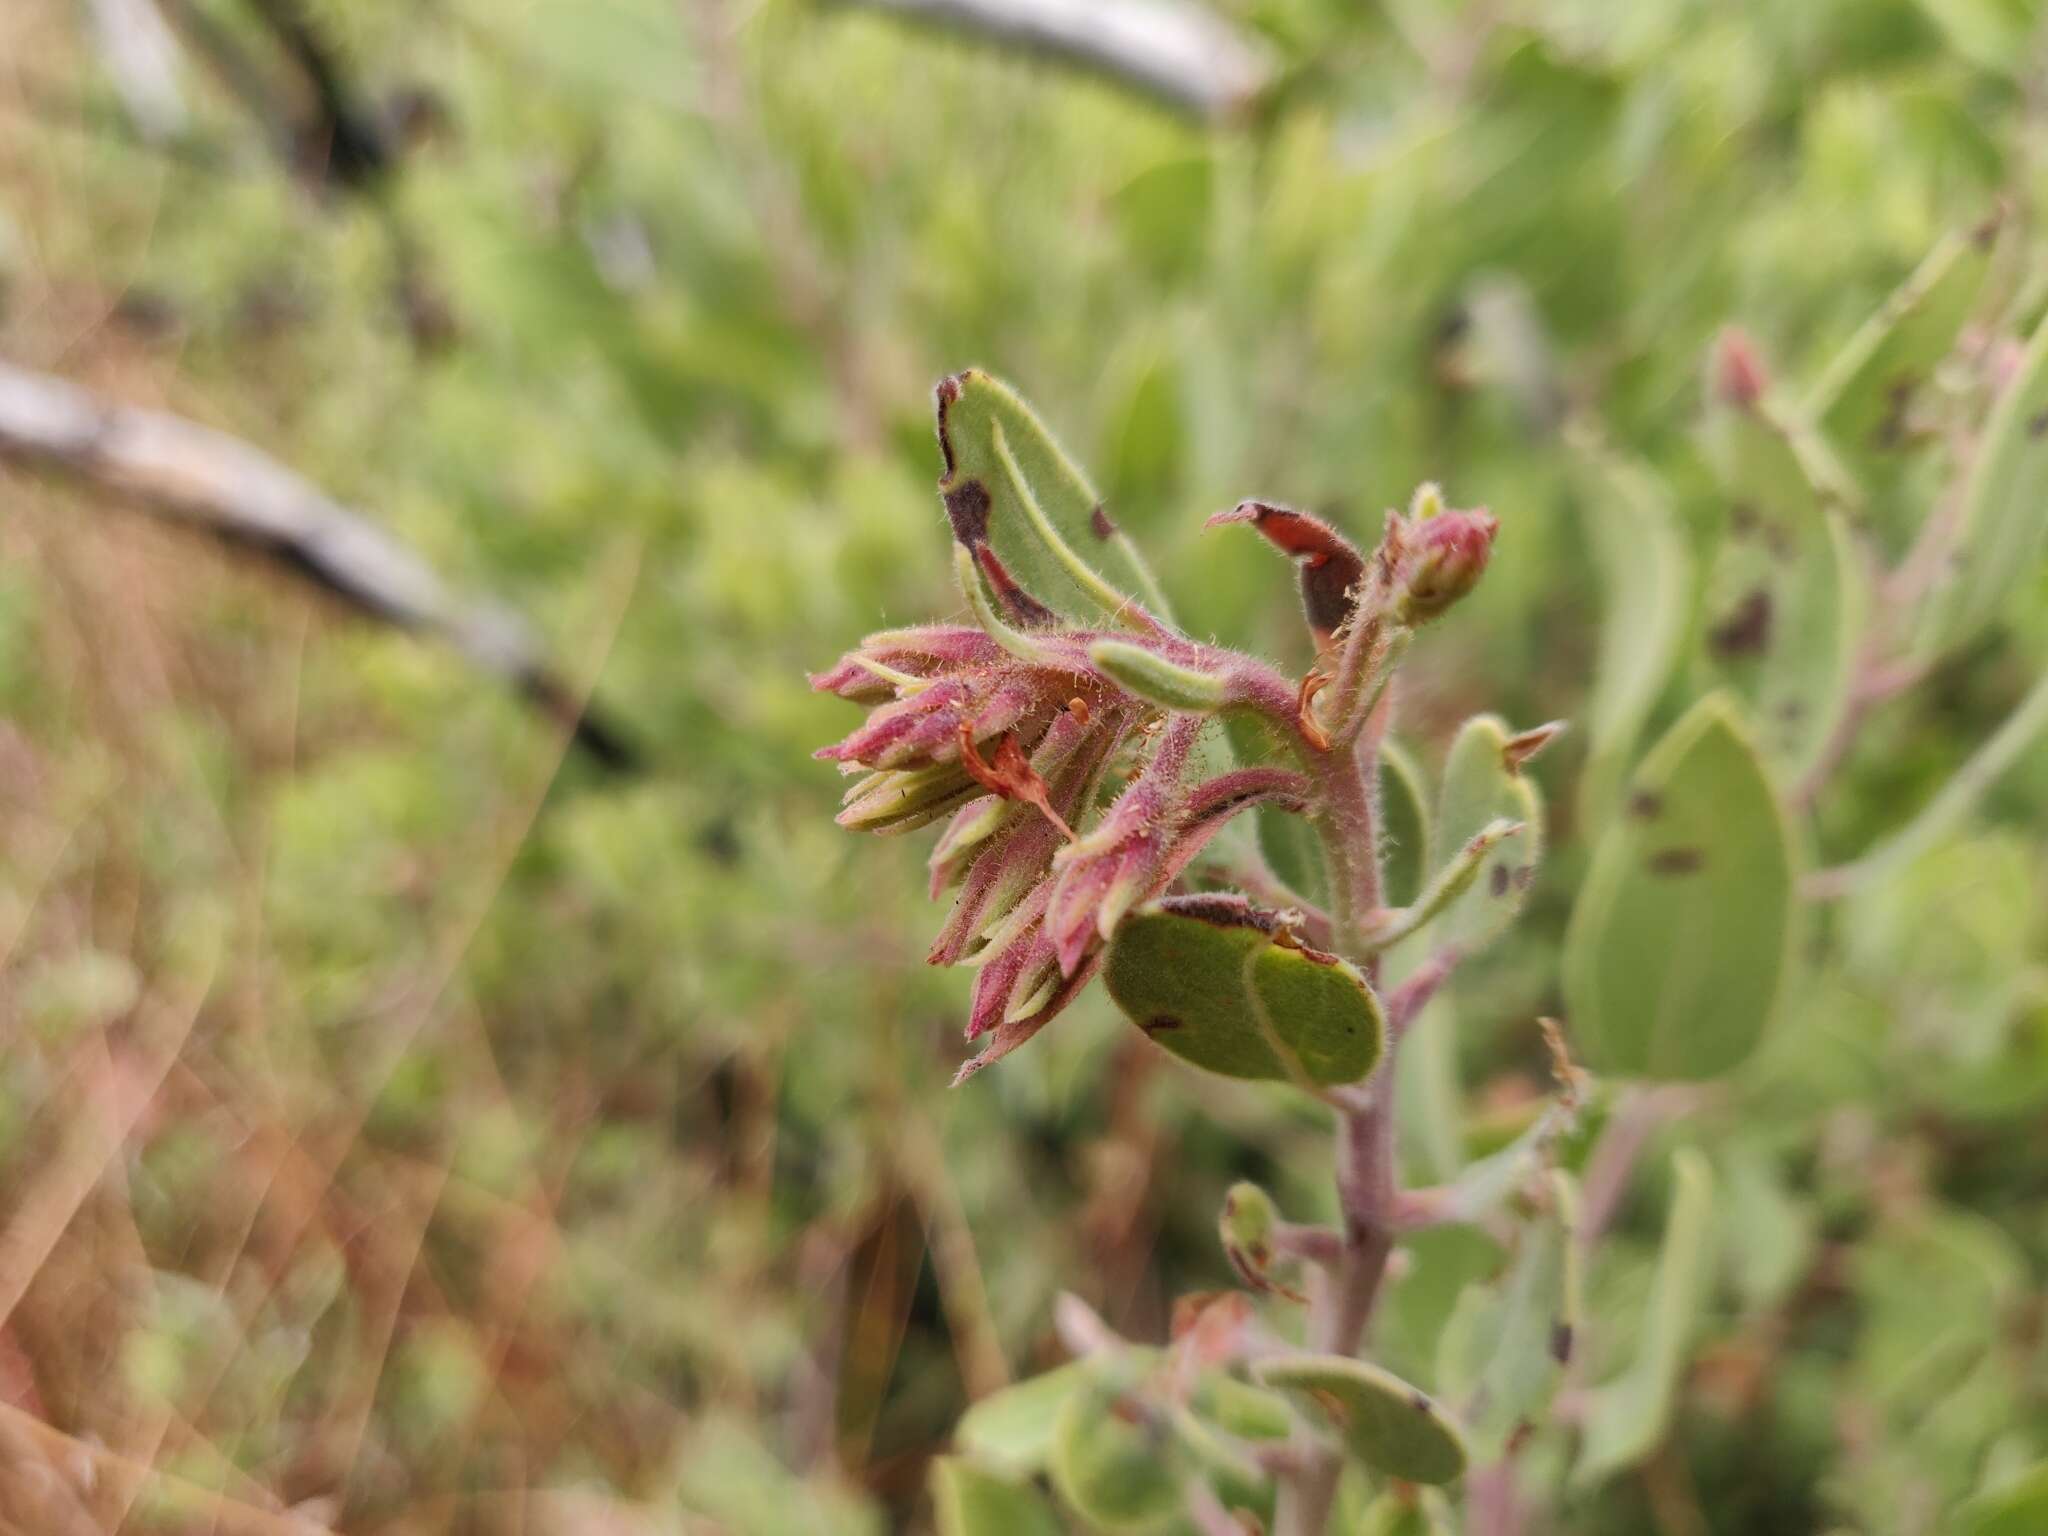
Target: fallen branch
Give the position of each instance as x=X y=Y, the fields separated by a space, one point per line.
x=1178 y=53
x=241 y=496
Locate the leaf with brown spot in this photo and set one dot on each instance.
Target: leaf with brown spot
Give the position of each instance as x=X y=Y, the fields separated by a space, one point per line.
x=1684 y=928
x=1024 y=508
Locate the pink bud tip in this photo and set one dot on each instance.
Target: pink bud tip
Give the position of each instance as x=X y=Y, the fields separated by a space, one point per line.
x=1739 y=376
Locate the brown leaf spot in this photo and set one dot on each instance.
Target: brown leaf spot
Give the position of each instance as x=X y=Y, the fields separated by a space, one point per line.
x=1747 y=630
x=2037 y=424
x=1525 y=876
x=1098 y=519
x=967 y=507
x=1497 y=879
x=1645 y=806
x=1419 y=1401
x=1677 y=861
x=1561 y=1341
x=1158 y=1022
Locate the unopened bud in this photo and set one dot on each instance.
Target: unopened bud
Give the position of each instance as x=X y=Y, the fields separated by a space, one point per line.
x=1739 y=376
x=1246 y=1227
x=1445 y=557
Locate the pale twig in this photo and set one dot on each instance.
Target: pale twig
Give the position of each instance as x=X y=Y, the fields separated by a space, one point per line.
x=1178 y=53
x=224 y=487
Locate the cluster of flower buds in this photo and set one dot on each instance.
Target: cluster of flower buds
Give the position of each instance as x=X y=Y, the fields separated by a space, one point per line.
x=1016 y=753
x=1014 y=728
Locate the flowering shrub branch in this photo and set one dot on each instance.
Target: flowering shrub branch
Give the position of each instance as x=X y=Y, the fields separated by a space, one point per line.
x=1067 y=739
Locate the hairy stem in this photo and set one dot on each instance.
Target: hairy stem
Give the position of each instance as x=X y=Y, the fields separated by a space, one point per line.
x=1367 y=1174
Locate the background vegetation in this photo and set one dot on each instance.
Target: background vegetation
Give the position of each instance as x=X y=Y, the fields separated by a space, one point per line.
x=410 y=1123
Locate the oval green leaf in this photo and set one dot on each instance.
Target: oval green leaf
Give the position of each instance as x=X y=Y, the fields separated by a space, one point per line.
x=1388 y=1424
x=1682 y=935
x=1203 y=978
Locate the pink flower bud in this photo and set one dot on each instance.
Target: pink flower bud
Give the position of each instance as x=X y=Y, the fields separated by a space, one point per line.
x=1125 y=859
x=1739 y=376
x=1443 y=558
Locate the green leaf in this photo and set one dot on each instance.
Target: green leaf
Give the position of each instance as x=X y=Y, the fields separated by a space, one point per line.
x=1627 y=1418
x=1784 y=616
x=1646 y=574
x=1683 y=932
x=1481 y=787
x=1203 y=978
x=1385 y=1422
x=969 y=1501
x=1404 y=827
x=2015 y=1508
x=1113 y=1472
x=1009 y=485
x=1450 y=885
x=1012 y=1429
x=1506 y=1347
x=1861 y=397
x=2004 y=514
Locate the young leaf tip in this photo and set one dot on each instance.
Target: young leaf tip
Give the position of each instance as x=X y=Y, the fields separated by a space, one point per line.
x=1521 y=747
x=1738 y=375
x=1331 y=565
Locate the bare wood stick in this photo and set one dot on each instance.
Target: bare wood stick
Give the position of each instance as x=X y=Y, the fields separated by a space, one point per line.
x=242 y=496
x=1179 y=53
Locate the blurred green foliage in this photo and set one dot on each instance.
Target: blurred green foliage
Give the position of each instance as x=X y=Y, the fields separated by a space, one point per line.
x=409 y=1117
